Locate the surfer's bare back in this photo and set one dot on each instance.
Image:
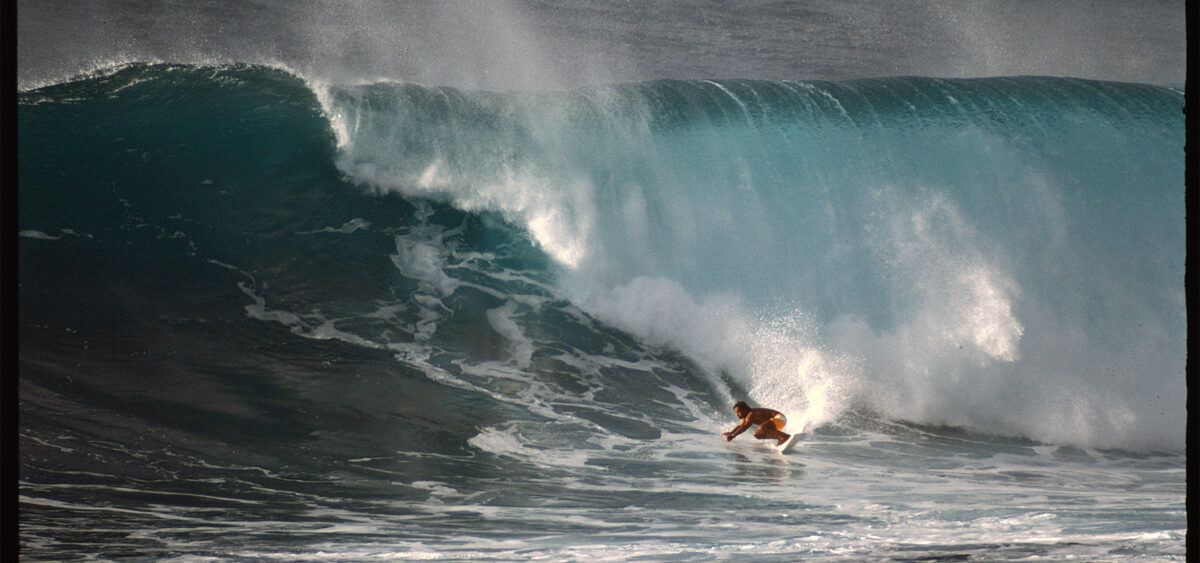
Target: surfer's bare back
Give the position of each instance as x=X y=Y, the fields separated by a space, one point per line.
x=770 y=423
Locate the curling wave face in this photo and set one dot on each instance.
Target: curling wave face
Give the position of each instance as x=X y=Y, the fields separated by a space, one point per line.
x=968 y=252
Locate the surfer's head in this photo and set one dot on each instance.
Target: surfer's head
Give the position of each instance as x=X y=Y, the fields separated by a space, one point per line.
x=741 y=409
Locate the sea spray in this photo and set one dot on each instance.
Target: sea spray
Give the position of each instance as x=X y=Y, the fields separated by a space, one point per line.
x=778 y=361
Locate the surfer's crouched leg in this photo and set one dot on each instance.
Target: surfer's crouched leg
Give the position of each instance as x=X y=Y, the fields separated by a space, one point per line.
x=772 y=429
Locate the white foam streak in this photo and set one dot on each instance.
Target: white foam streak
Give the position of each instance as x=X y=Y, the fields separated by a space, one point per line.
x=501 y=320
x=259 y=310
x=426 y=262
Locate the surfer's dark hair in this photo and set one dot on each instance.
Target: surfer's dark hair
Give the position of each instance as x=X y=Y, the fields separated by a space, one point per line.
x=741 y=405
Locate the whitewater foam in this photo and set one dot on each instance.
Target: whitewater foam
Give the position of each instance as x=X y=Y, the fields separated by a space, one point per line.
x=501 y=320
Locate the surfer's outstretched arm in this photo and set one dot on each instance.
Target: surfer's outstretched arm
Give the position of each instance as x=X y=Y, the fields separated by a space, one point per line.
x=741 y=427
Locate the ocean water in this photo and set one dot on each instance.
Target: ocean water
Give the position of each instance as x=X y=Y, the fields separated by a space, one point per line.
x=272 y=313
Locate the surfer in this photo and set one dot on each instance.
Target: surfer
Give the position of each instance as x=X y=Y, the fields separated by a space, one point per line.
x=770 y=423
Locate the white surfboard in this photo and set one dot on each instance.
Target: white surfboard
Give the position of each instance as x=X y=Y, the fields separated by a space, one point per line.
x=787 y=444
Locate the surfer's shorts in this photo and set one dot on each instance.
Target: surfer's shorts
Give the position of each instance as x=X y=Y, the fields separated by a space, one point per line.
x=778 y=421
